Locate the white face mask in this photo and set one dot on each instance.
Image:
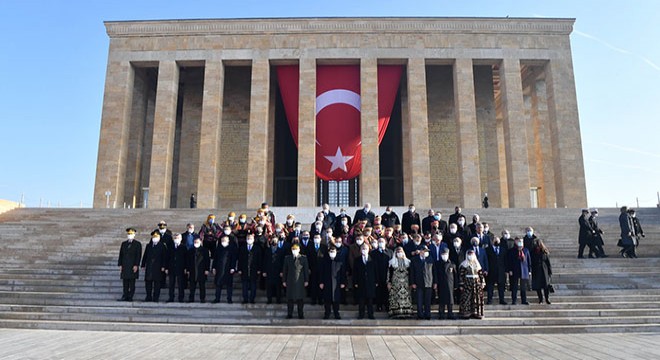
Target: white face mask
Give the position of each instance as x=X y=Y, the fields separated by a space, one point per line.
x=400 y=255
x=530 y=233
x=412 y=210
x=318 y=228
x=332 y=254
x=520 y=244
x=359 y=242
x=338 y=244
x=197 y=245
x=227 y=231
x=278 y=230
x=317 y=241
x=295 y=252
x=191 y=230
x=457 y=244
x=225 y=243
x=374 y=245
x=426 y=254
x=177 y=242
x=453 y=231
x=298 y=228
x=382 y=245
x=344 y=222
x=155 y=240
x=289 y=222
x=486 y=229
x=131 y=236
x=461 y=222
x=162 y=231
x=231 y=218
x=250 y=241
x=471 y=257
x=444 y=257
x=506 y=236
x=365 y=252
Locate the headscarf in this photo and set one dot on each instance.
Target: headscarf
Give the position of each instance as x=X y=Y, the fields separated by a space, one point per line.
x=395 y=262
x=471 y=264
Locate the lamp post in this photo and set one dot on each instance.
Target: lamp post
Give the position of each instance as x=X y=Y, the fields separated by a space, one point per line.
x=107 y=199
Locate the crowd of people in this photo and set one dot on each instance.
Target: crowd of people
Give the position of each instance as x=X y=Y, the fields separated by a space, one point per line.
x=399 y=265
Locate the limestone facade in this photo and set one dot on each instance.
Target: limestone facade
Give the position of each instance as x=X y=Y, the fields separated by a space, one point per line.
x=488 y=105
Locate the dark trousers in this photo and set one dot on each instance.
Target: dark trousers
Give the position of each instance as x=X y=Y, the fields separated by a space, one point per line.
x=523 y=289
x=314 y=290
x=334 y=305
x=441 y=311
x=599 y=251
x=193 y=287
x=369 y=303
x=249 y=290
x=129 y=289
x=546 y=292
x=382 y=296
x=274 y=289
x=229 y=284
x=581 y=249
x=490 y=289
x=289 y=307
x=424 y=302
x=153 y=290
x=177 y=281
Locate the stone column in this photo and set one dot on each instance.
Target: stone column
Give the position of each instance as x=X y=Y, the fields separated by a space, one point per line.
x=162 y=153
x=370 y=173
x=209 y=141
x=489 y=161
x=307 y=133
x=565 y=133
x=515 y=137
x=418 y=140
x=113 y=142
x=258 y=141
x=544 y=163
x=467 y=134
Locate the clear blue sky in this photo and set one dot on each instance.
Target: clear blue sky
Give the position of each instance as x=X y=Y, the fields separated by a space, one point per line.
x=53 y=57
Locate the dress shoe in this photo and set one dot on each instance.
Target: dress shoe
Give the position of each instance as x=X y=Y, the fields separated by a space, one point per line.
x=540 y=301
x=148 y=299
x=513 y=303
x=169 y=300
x=478 y=317
x=289 y=316
x=202 y=301
x=215 y=301
x=489 y=302
x=371 y=317
x=524 y=303
x=337 y=317
x=451 y=317
x=326 y=316
x=229 y=301
x=360 y=317
x=503 y=303
x=251 y=301
x=301 y=317
x=244 y=302
x=591 y=257
x=123 y=298
x=181 y=301
x=580 y=257
x=268 y=302
x=548 y=302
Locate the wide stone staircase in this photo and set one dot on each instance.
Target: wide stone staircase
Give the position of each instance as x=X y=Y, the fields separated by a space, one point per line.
x=58 y=271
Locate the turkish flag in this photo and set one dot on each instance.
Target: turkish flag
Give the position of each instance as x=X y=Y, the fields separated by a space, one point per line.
x=338 y=102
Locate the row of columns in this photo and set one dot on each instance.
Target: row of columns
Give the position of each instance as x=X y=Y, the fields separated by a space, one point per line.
x=417 y=186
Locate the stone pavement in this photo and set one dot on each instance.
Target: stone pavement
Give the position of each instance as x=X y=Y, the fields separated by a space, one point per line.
x=50 y=344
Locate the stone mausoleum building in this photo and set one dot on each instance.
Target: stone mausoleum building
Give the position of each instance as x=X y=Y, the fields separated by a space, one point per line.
x=480 y=105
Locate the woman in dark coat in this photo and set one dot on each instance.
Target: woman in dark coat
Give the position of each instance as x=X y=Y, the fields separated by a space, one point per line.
x=541 y=270
x=332 y=282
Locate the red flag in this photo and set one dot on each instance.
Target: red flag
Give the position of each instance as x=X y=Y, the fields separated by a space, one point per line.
x=338 y=102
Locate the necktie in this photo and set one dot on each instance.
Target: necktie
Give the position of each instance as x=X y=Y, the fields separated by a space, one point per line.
x=249 y=247
x=476 y=251
x=364 y=260
x=497 y=250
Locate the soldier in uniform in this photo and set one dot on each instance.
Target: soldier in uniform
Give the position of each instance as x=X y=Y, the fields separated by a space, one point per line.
x=129 y=264
x=154 y=261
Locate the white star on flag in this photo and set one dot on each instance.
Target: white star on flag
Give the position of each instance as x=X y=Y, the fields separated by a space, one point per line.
x=338 y=161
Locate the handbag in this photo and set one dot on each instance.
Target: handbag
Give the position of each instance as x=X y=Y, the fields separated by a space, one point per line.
x=551 y=288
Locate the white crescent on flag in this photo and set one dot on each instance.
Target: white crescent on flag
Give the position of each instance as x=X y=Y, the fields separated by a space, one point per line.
x=337 y=96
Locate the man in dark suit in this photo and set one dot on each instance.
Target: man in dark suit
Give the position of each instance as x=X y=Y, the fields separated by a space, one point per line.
x=453 y=218
x=479 y=233
x=342 y=220
x=426 y=222
x=329 y=217
x=437 y=247
x=295 y=278
x=422 y=280
x=586 y=233
x=519 y=266
x=154 y=261
x=176 y=266
x=130 y=253
x=249 y=267
x=389 y=218
x=224 y=267
x=315 y=253
x=410 y=218
x=365 y=282
x=198 y=262
x=364 y=214
x=496 y=271
x=381 y=256
x=446 y=280
x=332 y=282
x=480 y=253
x=273 y=261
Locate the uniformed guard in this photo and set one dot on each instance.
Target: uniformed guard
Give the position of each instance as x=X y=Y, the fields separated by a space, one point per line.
x=129 y=264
